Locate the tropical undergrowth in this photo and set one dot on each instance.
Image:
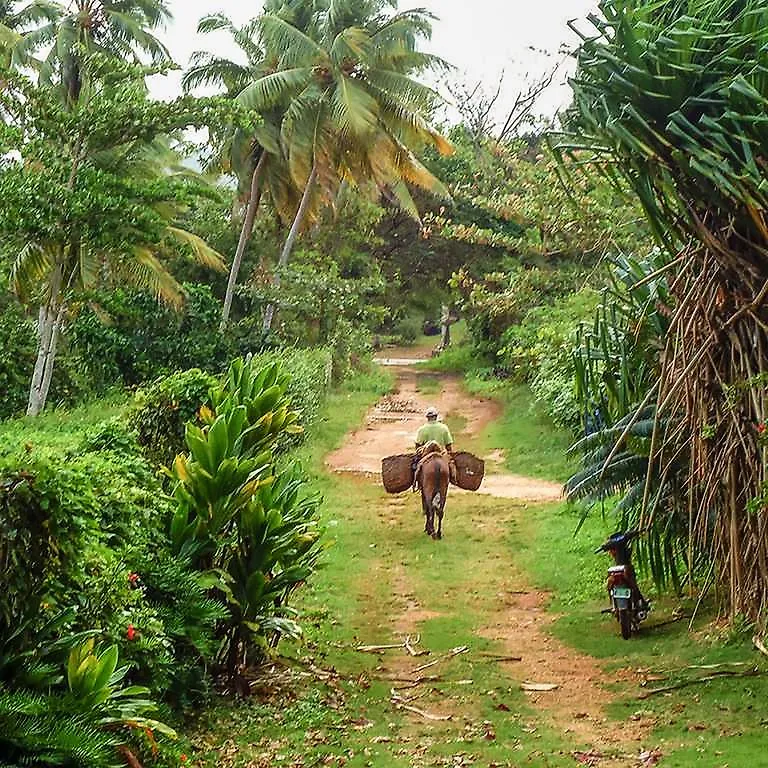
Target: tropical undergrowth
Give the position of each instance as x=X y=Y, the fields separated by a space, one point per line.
x=126 y=604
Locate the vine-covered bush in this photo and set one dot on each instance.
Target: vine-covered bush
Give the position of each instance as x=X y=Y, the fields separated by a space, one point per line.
x=502 y=300
x=162 y=409
x=539 y=351
x=124 y=338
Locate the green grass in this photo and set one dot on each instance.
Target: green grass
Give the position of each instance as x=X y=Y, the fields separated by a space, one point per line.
x=428 y=384
x=358 y=597
x=56 y=428
x=533 y=446
x=458 y=358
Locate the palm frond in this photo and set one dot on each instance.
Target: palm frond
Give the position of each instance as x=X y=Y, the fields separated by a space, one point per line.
x=354 y=110
x=296 y=49
x=202 y=252
x=33 y=264
x=274 y=89
x=143 y=270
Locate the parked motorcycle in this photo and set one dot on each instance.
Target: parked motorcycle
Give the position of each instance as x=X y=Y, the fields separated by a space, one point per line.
x=627 y=603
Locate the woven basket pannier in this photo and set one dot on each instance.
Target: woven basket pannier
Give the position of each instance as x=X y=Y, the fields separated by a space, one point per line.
x=469 y=471
x=397 y=472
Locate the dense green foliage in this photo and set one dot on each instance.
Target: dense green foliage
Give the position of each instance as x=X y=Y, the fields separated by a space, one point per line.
x=671 y=96
x=91 y=543
x=163 y=409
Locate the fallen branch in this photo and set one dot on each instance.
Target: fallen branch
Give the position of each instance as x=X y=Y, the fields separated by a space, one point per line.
x=377 y=648
x=402 y=703
x=411 y=650
x=758 y=643
x=496 y=657
x=540 y=687
x=417 y=682
x=707 y=678
x=407 y=644
x=455 y=652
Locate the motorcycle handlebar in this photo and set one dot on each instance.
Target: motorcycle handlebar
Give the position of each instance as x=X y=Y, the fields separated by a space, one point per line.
x=628 y=536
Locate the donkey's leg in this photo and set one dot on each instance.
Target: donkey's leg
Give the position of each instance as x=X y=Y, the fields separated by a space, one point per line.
x=430 y=519
x=440 y=511
x=425 y=508
x=439 y=534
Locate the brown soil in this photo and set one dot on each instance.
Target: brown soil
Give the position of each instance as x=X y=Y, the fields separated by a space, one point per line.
x=390 y=427
x=517 y=618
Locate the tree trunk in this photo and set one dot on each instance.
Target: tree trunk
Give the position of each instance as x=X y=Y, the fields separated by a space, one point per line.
x=245 y=236
x=269 y=313
x=445 y=327
x=48 y=327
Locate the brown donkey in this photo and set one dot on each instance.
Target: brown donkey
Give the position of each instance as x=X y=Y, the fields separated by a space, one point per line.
x=432 y=476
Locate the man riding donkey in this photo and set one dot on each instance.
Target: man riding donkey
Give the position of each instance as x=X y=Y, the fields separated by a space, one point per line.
x=434 y=431
x=433 y=466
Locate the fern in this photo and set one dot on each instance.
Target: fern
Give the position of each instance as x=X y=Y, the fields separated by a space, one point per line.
x=36 y=730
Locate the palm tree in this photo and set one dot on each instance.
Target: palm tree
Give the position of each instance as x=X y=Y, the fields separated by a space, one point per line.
x=256 y=159
x=121 y=28
x=16 y=23
x=354 y=111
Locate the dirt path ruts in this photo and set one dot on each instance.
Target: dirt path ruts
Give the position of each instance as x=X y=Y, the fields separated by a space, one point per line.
x=390 y=427
x=516 y=617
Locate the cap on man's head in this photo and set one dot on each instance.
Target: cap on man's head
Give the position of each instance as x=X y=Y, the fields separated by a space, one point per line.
x=431 y=412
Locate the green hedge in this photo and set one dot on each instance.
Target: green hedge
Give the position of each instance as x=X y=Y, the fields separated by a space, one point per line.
x=161 y=410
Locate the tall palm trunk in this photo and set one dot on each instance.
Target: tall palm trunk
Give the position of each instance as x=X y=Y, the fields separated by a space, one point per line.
x=51 y=315
x=48 y=326
x=269 y=313
x=245 y=236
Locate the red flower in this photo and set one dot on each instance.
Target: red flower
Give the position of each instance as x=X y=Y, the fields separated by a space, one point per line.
x=130 y=633
x=133 y=578
x=183 y=758
x=761 y=427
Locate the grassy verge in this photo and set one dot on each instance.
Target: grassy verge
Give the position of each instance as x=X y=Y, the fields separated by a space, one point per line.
x=56 y=428
x=532 y=444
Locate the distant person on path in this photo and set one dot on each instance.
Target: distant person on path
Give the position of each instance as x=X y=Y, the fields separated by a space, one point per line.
x=434 y=431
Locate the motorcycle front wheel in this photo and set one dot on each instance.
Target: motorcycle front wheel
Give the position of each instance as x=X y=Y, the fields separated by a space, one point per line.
x=625 y=622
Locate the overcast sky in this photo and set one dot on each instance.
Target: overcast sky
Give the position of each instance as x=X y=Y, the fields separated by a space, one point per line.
x=481 y=38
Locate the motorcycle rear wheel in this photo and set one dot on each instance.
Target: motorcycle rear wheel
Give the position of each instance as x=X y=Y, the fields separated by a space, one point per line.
x=625 y=622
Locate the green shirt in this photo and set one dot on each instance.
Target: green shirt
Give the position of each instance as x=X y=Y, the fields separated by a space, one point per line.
x=434 y=430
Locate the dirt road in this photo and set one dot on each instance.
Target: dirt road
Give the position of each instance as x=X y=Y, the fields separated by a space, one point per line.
x=508 y=611
x=391 y=425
